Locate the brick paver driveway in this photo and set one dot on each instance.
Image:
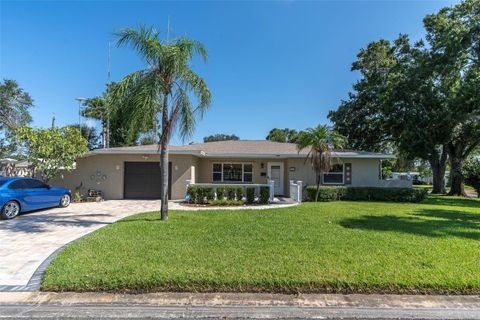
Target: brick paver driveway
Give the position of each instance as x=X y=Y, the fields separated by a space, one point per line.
x=29 y=239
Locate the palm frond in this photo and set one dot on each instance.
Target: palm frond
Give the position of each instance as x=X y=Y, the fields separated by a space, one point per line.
x=144 y=40
x=197 y=84
x=184 y=115
x=191 y=48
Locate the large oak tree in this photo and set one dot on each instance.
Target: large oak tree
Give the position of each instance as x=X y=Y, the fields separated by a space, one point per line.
x=423 y=99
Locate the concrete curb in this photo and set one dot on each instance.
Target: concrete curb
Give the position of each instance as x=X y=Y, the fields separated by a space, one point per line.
x=244 y=299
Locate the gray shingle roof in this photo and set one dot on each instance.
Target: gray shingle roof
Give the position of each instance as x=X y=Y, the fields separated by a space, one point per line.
x=238 y=148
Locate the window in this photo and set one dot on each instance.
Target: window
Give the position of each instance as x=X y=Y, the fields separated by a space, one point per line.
x=35 y=184
x=217 y=172
x=232 y=172
x=334 y=176
x=248 y=172
x=17 y=184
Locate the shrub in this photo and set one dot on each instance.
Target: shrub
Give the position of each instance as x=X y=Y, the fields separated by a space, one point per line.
x=250 y=195
x=230 y=192
x=209 y=193
x=220 y=193
x=192 y=194
x=325 y=193
x=264 y=195
x=226 y=202
x=200 y=194
x=366 y=193
x=239 y=193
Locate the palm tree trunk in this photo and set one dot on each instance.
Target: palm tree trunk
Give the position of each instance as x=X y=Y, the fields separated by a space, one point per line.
x=164 y=181
x=164 y=161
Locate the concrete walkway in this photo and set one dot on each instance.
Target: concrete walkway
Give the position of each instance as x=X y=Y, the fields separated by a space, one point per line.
x=29 y=242
x=236 y=306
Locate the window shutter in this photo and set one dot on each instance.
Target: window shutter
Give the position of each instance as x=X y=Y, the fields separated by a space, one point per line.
x=348 y=173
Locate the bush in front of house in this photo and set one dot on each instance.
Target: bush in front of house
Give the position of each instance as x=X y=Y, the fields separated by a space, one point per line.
x=366 y=194
x=192 y=194
x=230 y=193
x=250 y=195
x=239 y=193
x=264 y=197
x=325 y=193
x=200 y=194
x=220 y=193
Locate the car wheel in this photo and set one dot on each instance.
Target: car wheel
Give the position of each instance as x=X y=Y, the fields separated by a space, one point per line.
x=10 y=210
x=65 y=200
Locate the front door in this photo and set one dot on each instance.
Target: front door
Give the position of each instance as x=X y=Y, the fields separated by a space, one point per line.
x=275 y=173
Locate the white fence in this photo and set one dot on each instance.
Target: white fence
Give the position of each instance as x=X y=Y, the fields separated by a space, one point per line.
x=257 y=186
x=296 y=191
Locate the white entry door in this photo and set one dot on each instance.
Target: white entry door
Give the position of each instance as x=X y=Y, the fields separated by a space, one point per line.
x=275 y=173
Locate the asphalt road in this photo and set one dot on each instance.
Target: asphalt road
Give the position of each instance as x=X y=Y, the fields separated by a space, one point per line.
x=120 y=311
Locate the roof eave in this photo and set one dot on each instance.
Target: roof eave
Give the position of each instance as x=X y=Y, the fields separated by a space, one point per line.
x=235 y=155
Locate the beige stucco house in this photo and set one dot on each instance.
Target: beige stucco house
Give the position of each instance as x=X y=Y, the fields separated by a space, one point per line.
x=133 y=172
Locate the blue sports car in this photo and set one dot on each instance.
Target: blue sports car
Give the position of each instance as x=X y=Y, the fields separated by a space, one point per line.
x=26 y=194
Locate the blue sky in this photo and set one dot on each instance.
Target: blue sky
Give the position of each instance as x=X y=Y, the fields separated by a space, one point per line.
x=271 y=64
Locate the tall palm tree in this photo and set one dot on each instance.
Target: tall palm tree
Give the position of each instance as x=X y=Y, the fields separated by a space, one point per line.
x=164 y=87
x=96 y=108
x=320 y=141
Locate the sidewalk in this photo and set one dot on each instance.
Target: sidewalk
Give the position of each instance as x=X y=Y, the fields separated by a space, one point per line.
x=232 y=305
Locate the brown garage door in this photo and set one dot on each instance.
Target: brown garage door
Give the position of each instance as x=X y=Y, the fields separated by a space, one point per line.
x=142 y=180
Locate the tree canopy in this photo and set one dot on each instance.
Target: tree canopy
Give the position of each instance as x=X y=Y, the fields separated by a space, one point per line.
x=283 y=135
x=15 y=105
x=220 y=137
x=52 y=150
x=420 y=98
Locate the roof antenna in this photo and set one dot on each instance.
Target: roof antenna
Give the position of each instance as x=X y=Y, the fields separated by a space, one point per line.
x=107 y=133
x=168 y=29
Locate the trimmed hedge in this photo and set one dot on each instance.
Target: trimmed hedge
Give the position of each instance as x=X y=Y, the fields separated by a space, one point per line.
x=239 y=193
x=220 y=193
x=264 y=197
x=250 y=195
x=366 y=194
x=200 y=194
x=226 y=195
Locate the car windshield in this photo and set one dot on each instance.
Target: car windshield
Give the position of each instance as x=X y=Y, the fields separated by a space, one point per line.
x=3 y=181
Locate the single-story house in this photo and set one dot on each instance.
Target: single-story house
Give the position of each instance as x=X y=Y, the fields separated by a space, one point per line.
x=134 y=172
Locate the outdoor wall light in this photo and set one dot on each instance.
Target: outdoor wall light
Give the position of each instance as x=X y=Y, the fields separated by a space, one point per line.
x=292 y=169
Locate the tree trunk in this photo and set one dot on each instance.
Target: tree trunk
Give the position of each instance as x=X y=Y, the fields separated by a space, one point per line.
x=458 y=187
x=438 y=165
x=164 y=161
x=164 y=181
x=455 y=155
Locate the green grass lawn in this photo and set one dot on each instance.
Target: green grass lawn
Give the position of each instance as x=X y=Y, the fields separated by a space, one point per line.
x=429 y=187
x=431 y=247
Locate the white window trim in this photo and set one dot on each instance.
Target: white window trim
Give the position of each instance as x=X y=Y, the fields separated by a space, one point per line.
x=335 y=183
x=243 y=171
